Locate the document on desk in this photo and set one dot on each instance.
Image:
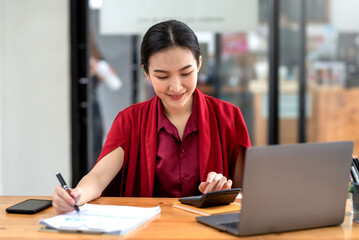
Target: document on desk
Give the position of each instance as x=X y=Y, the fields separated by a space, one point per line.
x=108 y=219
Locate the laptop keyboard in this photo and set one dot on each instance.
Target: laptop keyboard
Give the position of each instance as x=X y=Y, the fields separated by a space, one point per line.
x=230 y=225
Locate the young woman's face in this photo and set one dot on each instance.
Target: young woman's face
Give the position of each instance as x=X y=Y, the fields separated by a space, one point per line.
x=173 y=73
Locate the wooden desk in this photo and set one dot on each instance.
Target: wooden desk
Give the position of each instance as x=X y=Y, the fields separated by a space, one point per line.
x=171 y=224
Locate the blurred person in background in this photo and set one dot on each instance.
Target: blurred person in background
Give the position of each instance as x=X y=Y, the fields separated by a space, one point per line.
x=100 y=72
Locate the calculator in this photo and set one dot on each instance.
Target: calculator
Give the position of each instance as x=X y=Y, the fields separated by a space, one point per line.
x=211 y=199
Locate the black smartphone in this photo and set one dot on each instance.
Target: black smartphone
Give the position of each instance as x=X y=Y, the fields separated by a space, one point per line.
x=212 y=199
x=29 y=206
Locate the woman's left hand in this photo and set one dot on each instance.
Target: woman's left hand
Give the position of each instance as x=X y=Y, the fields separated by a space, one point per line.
x=215 y=182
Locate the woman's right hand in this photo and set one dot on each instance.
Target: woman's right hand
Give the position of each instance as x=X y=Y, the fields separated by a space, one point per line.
x=64 y=202
x=91 y=185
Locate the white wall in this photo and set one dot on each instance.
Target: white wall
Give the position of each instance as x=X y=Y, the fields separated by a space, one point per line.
x=1 y=77
x=34 y=95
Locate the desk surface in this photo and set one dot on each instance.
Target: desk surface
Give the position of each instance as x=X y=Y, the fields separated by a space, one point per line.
x=171 y=224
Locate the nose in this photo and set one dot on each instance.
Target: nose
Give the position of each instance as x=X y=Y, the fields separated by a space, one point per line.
x=175 y=84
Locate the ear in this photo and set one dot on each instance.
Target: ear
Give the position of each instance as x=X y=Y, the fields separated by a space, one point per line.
x=147 y=75
x=199 y=64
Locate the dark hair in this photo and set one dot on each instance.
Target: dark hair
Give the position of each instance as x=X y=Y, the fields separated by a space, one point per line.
x=165 y=35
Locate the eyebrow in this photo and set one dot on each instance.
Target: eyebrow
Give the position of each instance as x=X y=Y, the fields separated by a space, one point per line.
x=162 y=71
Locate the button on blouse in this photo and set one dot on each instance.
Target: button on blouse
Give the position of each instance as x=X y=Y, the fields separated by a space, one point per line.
x=177 y=166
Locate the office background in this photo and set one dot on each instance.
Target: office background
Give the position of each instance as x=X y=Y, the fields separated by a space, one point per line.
x=36 y=120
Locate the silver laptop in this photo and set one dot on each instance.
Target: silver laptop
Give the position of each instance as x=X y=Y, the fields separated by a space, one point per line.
x=290 y=187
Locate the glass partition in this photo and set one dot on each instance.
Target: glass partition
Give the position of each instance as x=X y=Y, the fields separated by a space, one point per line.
x=333 y=72
x=235 y=64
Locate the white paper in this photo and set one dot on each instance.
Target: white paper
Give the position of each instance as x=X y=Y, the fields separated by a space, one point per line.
x=102 y=219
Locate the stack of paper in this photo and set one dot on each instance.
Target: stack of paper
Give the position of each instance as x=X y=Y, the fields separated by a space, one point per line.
x=102 y=219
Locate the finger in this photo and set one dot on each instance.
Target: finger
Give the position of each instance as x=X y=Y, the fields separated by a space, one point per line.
x=76 y=194
x=210 y=177
x=59 y=204
x=62 y=206
x=202 y=186
x=213 y=184
x=221 y=184
x=62 y=193
x=229 y=184
x=62 y=201
x=61 y=209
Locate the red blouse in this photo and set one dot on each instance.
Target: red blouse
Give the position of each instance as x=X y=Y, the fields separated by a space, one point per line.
x=177 y=165
x=221 y=130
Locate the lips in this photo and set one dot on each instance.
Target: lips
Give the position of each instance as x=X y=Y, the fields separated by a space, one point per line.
x=176 y=96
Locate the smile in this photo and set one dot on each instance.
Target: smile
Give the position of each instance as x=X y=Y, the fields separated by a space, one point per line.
x=176 y=96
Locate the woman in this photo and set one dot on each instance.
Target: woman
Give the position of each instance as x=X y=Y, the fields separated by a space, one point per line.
x=179 y=143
